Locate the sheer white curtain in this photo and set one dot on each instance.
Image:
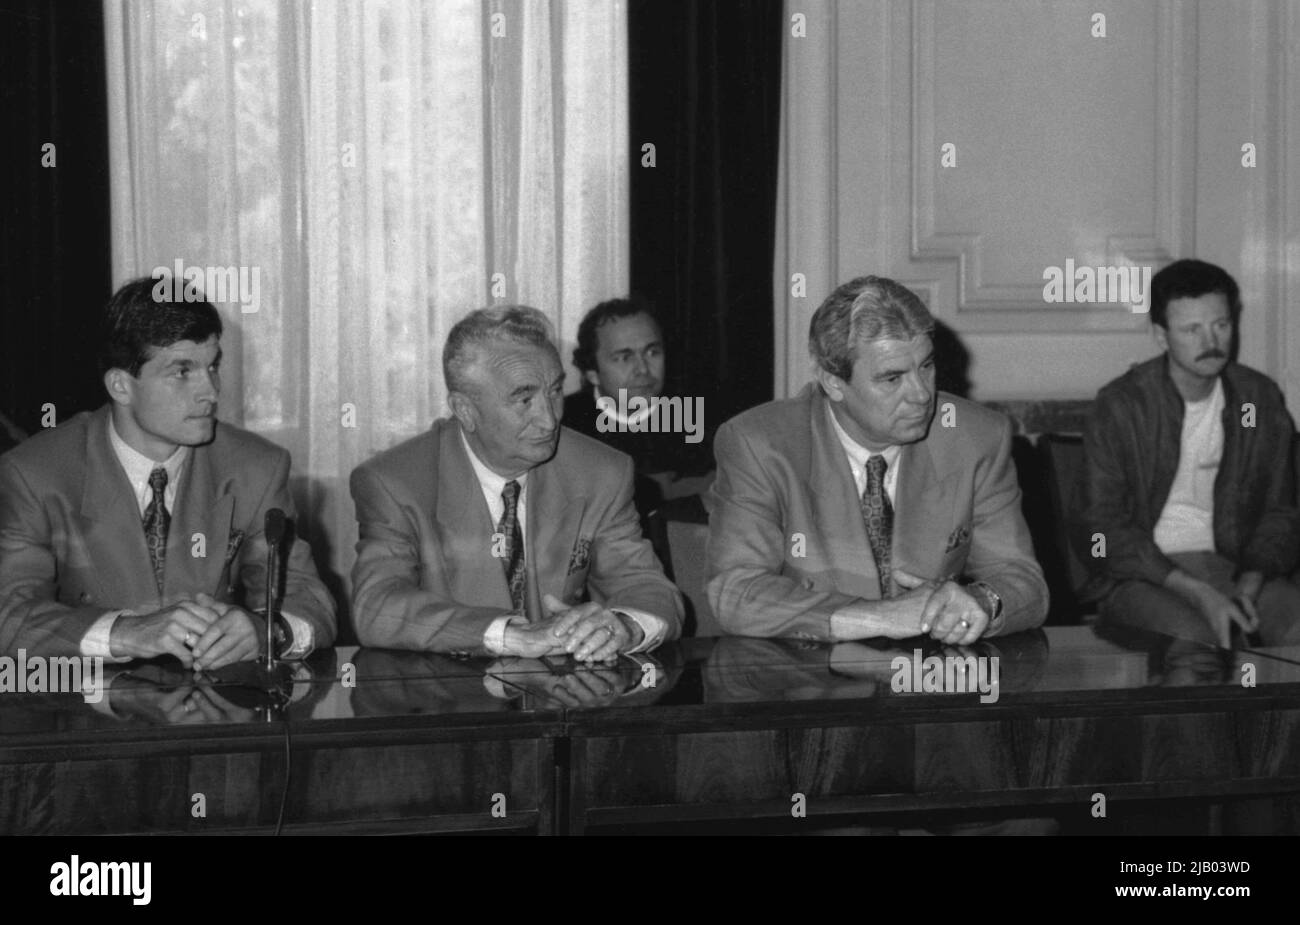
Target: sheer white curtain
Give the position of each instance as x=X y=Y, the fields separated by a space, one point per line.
x=384 y=166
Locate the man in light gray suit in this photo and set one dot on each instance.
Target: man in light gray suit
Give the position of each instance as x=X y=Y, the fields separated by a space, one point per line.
x=137 y=530
x=499 y=531
x=850 y=512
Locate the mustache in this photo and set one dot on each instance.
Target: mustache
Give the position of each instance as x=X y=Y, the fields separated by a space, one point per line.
x=1213 y=354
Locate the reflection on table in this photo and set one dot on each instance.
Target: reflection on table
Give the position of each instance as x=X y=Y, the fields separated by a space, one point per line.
x=701 y=729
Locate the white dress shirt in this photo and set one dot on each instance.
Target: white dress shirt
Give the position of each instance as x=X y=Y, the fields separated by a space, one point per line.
x=138 y=468
x=492 y=485
x=859 y=454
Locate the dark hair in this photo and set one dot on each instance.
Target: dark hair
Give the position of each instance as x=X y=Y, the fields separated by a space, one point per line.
x=142 y=317
x=1187 y=279
x=864 y=309
x=584 y=355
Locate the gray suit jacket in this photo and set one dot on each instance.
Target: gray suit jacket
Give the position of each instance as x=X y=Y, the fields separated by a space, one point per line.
x=72 y=546
x=787 y=542
x=425 y=577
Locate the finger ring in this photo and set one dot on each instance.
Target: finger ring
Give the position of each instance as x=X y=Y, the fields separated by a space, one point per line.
x=190 y=639
x=190 y=706
x=609 y=628
x=965 y=624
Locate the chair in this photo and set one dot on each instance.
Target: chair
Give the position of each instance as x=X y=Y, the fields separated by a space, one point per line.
x=679 y=530
x=1061 y=458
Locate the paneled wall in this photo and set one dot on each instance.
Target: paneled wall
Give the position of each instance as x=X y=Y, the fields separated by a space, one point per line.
x=1117 y=150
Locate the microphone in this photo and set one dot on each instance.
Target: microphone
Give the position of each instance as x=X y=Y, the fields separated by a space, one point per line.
x=274 y=529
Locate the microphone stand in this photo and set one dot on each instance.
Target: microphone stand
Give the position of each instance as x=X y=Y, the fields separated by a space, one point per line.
x=274 y=531
x=272 y=569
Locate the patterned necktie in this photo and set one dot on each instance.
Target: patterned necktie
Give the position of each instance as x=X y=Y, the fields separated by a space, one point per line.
x=514 y=559
x=156 y=522
x=879 y=516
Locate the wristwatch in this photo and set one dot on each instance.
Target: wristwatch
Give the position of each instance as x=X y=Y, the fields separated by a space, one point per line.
x=280 y=634
x=989 y=599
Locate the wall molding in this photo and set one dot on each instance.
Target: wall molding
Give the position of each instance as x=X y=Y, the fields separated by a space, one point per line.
x=992 y=305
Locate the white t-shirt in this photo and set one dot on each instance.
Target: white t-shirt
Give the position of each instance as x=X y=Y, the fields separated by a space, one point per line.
x=1187 y=522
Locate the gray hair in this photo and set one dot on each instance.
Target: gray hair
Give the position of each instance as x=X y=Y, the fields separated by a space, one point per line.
x=864 y=309
x=485 y=327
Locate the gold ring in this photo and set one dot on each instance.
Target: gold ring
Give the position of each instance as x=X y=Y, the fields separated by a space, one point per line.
x=191 y=639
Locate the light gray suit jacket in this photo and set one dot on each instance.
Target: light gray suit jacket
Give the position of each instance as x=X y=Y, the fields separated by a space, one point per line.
x=787 y=543
x=425 y=577
x=72 y=545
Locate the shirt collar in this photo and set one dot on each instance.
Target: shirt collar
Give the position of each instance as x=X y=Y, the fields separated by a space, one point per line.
x=490 y=481
x=138 y=467
x=858 y=454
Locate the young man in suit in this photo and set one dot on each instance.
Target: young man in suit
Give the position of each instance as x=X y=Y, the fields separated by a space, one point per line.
x=870 y=505
x=488 y=532
x=137 y=530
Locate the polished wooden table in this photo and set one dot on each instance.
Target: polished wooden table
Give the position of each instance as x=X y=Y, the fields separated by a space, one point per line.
x=1162 y=729
x=708 y=735
x=369 y=741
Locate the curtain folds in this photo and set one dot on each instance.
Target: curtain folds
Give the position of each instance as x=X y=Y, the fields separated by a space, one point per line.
x=380 y=168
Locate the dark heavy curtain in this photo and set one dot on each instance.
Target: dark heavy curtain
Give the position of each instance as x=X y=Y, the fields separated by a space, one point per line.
x=705 y=80
x=54 y=236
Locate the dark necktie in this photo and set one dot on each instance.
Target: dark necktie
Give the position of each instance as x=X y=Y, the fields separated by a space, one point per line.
x=156 y=522
x=878 y=514
x=514 y=559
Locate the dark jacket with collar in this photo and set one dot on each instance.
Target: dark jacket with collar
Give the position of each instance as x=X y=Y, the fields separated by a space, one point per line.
x=1131 y=448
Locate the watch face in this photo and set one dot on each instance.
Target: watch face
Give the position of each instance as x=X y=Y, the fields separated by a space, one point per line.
x=991 y=599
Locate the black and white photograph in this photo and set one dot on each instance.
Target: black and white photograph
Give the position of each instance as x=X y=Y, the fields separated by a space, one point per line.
x=654 y=418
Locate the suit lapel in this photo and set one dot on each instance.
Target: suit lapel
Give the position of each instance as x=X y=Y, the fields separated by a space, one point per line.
x=838 y=509
x=203 y=508
x=465 y=526
x=554 y=519
x=113 y=529
x=922 y=512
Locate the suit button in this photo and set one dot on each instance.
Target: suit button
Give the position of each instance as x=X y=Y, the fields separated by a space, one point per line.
x=85 y=598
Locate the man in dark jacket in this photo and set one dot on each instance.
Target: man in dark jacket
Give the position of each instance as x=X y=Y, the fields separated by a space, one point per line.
x=620 y=355
x=1189 y=507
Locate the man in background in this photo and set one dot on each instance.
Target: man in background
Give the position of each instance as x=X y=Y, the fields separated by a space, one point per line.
x=1189 y=507
x=621 y=357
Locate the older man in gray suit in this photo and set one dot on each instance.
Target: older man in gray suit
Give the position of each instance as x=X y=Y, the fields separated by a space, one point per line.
x=499 y=531
x=850 y=512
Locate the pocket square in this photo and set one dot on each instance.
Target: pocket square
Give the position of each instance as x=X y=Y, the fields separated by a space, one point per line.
x=232 y=545
x=959 y=537
x=581 y=555
x=226 y=579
